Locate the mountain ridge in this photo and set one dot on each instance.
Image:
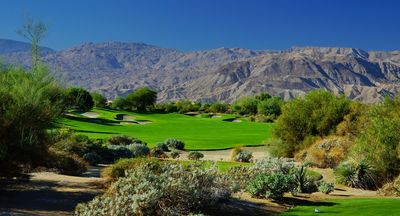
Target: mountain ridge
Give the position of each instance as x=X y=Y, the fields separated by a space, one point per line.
x=117 y=68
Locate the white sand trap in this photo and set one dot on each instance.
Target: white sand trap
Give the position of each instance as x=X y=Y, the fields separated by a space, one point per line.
x=237 y=120
x=144 y=122
x=128 y=123
x=216 y=116
x=71 y=114
x=259 y=152
x=91 y=114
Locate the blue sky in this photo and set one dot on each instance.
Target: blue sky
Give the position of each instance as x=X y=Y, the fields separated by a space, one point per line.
x=206 y=24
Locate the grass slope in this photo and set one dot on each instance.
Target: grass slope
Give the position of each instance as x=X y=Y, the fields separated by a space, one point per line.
x=365 y=207
x=198 y=133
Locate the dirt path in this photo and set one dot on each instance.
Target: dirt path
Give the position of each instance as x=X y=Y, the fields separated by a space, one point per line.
x=259 y=152
x=49 y=193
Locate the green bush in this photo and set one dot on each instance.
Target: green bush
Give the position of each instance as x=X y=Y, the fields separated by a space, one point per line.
x=316 y=115
x=158 y=153
x=66 y=163
x=79 y=99
x=302 y=181
x=326 y=188
x=138 y=150
x=118 y=152
x=99 y=100
x=120 y=167
x=166 y=189
x=175 y=143
x=195 y=155
x=162 y=146
x=92 y=158
x=31 y=102
x=219 y=108
x=124 y=140
x=271 y=185
x=141 y=100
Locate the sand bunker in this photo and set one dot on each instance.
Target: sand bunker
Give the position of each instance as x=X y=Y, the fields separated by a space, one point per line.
x=232 y=120
x=124 y=117
x=216 y=116
x=91 y=114
x=144 y=122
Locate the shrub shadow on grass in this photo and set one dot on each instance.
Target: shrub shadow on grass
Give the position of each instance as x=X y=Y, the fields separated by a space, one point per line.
x=97 y=132
x=303 y=202
x=93 y=120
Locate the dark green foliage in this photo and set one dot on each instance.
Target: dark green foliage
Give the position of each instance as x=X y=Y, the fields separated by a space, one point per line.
x=317 y=114
x=185 y=106
x=79 y=144
x=219 y=107
x=245 y=106
x=271 y=185
x=157 y=152
x=118 y=152
x=141 y=100
x=303 y=182
x=92 y=158
x=175 y=143
x=195 y=155
x=119 y=103
x=66 y=163
x=30 y=103
x=79 y=99
x=99 y=100
x=270 y=107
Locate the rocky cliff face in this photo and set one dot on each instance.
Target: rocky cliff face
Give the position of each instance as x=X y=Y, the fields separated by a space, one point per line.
x=221 y=74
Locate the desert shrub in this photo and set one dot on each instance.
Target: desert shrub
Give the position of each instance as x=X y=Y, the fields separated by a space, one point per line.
x=124 y=140
x=158 y=153
x=326 y=187
x=278 y=148
x=240 y=175
x=263 y=118
x=30 y=104
x=171 y=189
x=118 y=152
x=175 y=154
x=119 y=103
x=185 y=106
x=162 y=146
x=316 y=115
x=92 y=158
x=270 y=108
x=120 y=167
x=66 y=163
x=391 y=188
x=327 y=152
x=195 y=155
x=358 y=175
x=379 y=143
x=138 y=150
x=243 y=156
x=302 y=181
x=79 y=144
x=271 y=185
x=175 y=143
x=234 y=152
x=355 y=121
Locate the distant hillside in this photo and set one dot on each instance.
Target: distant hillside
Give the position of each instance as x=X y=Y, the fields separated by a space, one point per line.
x=220 y=74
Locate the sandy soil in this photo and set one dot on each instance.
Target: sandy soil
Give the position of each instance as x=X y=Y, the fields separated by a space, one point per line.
x=49 y=193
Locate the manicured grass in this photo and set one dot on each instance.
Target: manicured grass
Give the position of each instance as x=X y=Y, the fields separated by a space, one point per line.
x=198 y=133
x=365 y=207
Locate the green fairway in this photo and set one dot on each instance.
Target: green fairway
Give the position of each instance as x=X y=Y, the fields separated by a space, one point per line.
x=370 y=206
x=198 y=133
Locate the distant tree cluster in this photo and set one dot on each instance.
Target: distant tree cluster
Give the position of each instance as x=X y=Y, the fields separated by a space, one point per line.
x=141 y=100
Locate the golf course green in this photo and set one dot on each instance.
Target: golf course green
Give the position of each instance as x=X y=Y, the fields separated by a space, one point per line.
x=198 y=132
x=360 y=206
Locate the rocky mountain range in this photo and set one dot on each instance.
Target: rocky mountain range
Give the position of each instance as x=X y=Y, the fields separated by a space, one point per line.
x=116 y=68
